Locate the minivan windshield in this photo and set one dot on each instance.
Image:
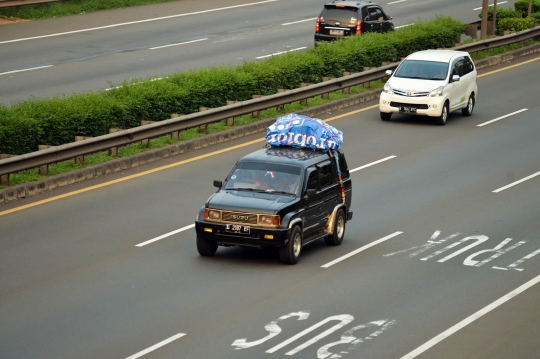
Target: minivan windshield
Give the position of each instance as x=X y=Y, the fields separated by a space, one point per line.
x=421 y=69
x=268 y=177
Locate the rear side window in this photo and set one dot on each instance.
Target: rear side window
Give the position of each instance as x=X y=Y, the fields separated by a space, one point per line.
x=313 y=179
x=375 y=14
x=343 y=166
x=326 y=176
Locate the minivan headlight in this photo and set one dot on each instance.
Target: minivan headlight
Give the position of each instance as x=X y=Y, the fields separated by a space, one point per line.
x=388 y=89
x=437 y=92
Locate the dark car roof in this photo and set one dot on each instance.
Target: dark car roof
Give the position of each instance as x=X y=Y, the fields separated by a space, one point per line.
x=302 y=157
x=351 y=3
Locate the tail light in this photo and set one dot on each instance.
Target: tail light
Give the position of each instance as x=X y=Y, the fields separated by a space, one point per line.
x=358 y=27
x=317 y=24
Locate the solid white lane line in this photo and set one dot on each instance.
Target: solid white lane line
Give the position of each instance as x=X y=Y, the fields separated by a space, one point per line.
x=371 y=164
x=500 y=118
x=158 y=345
x=33 y=68
x=342 y=258
x=471 y=319
x=165 y=235
x=297 y=22
x=281 y=52
x=136 y=22
x=395 y=2
x=180 y=43
x=517 y=182
x=498 y=3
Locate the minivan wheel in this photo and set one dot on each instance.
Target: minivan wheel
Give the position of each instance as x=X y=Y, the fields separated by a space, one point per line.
x=386 y=116
x=441 y=120
x=336 y=237
x=206 y=247
x=467 y=111
x=290 y=252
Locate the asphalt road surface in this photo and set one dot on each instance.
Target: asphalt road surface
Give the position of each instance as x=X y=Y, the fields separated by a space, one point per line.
x=97 y=51
x=441 y=259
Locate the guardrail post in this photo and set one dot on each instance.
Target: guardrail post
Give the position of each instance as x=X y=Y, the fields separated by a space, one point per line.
x=113 y=151
x=43 y=170
x=327 y=94
x=79 y=160
x=204 y=128
x=346 y=90
x=367 y=84
x=304 y=101
x=256 y=113
x=4 y=179
x=230 y=120
x=146 y=141
x=175 y=135
x=280 y=107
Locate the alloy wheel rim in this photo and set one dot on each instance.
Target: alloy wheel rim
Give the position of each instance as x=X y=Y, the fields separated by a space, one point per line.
x=340 y=227
x=297 y=245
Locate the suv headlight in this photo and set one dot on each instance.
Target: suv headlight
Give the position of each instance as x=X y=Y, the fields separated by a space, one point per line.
x=388 y=89
x=212 y=214
x=269 y=220
x=437 y=92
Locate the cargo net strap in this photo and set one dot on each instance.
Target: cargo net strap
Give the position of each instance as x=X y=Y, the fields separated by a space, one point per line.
x=304 y=132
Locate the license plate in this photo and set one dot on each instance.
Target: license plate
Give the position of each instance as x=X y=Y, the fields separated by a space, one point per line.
x=407 y=109
x=237 y=228
x=336 y=32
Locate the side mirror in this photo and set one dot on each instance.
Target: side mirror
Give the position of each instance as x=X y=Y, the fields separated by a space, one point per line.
x=218 y=184
x=455 y=78
x=311 y=192
x=389 y=17
x=388 y=72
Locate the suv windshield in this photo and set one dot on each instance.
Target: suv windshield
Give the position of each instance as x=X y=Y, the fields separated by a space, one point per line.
x=266 y=177
x=424 y=70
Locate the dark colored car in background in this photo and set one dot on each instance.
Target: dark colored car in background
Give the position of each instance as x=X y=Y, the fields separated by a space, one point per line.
x=346 y=18
x=278 y=197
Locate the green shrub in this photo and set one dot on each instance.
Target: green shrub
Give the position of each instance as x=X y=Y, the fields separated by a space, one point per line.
x=523 y=6
x=515 y=24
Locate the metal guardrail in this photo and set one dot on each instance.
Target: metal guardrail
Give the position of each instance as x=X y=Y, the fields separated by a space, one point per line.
x=124 y=137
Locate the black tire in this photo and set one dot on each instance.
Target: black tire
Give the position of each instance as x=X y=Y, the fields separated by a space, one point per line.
x=386 y=116
x=206 y=247
x=338 y=232
x=290 y=253
x=467 y=111
x=441 y=120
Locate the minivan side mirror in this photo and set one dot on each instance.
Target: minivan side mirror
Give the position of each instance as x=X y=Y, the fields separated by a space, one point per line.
x=218 y=184
x=455 y=78
x=388 y=72
x=311 y=192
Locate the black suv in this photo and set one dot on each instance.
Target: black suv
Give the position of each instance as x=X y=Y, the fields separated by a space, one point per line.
x=346 y=18
x=281 y=197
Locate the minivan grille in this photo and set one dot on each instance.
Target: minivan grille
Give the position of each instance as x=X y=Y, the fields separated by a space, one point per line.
x=410 y=93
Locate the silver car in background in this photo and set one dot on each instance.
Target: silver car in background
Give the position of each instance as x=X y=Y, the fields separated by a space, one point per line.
x=431 y=83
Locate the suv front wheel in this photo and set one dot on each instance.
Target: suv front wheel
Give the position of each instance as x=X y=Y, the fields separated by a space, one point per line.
x=290 y=252
x=205 y=247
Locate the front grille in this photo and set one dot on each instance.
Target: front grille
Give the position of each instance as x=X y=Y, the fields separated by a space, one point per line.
x=239 y=217
x=410 y=93
x=417 y=106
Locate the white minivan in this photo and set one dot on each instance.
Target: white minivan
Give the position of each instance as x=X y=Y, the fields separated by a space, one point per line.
x=430 y=83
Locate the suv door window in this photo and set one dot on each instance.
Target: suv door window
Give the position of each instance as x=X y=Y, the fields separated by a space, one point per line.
x=313 y=179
